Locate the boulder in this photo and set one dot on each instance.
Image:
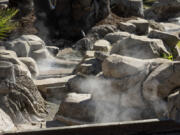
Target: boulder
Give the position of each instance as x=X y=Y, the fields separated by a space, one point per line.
x=139 y=47
x=101 y=55
x=127 y=27
x=98 y=32
x=6 y=123
x=21 y=47
x=84 y=44
x=116 y=36
x=163 y=10
x=78 y=107
x=102 y=45
x=52 y=82
x=53 y=50
x=41 y=54
x=142 y=26
x=10 y=56
x=117 y=66
x=169 y=39
x=162 y=81
x=73 y=83
x=173 y=106
x=73 y=17
x=28 y=46
x=88 y=66
x=126 y=8
x=31 y=65
x=156 y=26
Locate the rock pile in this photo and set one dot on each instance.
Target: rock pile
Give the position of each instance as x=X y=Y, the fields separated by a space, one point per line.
x=126 y=73
x=127 y=70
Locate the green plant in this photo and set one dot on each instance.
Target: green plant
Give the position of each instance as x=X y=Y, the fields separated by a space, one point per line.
x=178 y=44
x=6 y=23
x=167 y=56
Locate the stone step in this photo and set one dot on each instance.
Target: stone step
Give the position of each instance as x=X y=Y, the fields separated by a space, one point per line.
x=52 y=82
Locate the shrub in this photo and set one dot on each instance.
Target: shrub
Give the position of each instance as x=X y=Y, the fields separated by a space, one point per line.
x=6 y=23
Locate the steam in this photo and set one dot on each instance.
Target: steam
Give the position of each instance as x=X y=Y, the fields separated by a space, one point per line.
x=112 y=105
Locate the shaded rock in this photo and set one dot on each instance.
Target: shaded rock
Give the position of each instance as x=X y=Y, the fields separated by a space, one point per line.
x=88 y=66
x=115 y=36
x=155 y=25
x=31 y=65
x=127 y=27
x=162 y=10
x=53 y=50
x=77 y=107
x=71 y=17
x=167 y=38
x=84 y=44
x=73 y=83
x=25 y=7
x=101 y=55
x=173 y=106
x=142 y=26
x=139 y=47
x=98 y=32
x=127 y=8
x=102 y=45
x=162 y=81
x=40 y=54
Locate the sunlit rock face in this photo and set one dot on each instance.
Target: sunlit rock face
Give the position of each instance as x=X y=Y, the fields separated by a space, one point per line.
x=6 y=123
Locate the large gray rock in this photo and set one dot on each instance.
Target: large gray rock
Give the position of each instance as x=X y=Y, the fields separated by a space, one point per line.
x=41 y=54
x=162 y=81
x=169 y=39
x=139 y=47
x=102 y=45
x=31 y=64
x=21 y=47
x=127 y=27
x=53 y=50
x=174 y=106
x=88 y=66
x=29 y=46
x=163 y=10
x=78 y=107
x=127 y=7
x=115 y=36
x=6 y=124
x=117 y=66
x=98 y=32
x=10 y=56
x=142 y=26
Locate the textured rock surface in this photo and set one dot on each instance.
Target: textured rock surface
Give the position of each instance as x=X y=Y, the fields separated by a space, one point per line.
x=116 y=36
x=139 y=47
x=162 y=81
x=31 y=65
x=169 y=39
x=77 y=106
x=127 y=8
x=6 y=124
